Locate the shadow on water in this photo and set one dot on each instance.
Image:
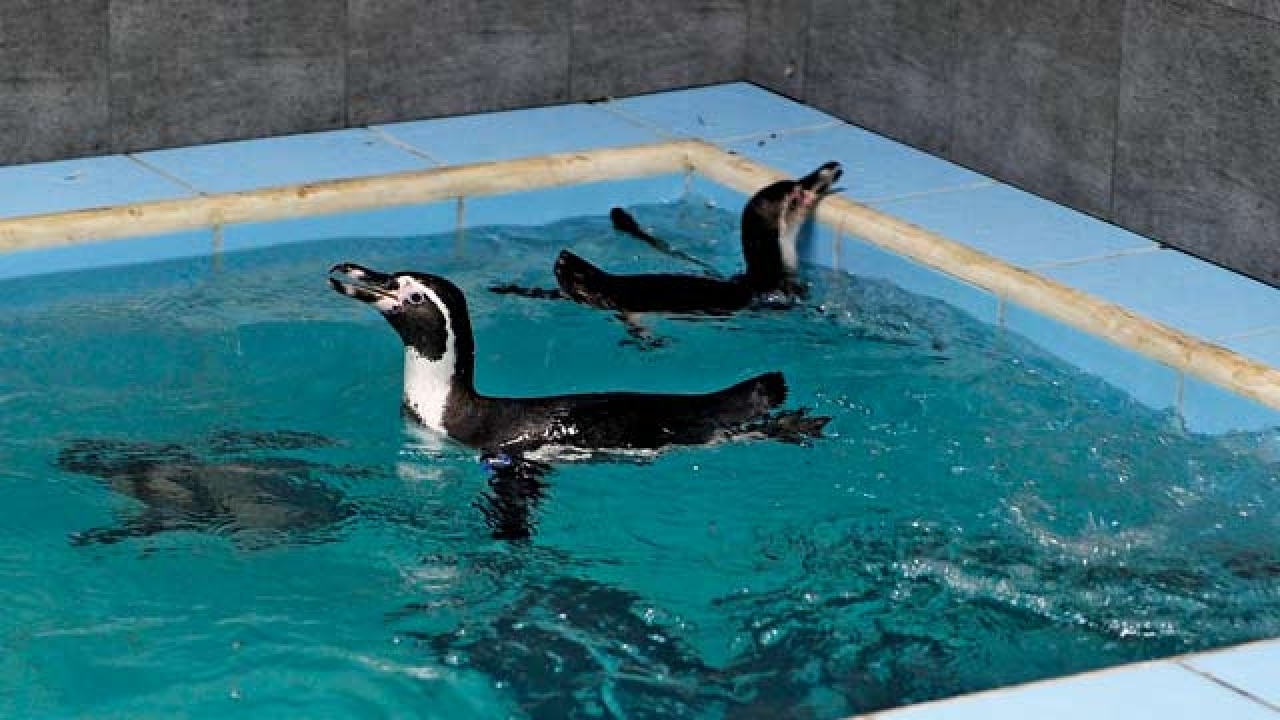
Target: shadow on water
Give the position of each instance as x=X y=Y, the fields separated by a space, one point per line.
x=222 y=488
x=871 y=618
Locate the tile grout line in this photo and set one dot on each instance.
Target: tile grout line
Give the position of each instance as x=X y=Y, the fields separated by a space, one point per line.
x=165 y=174
x=1180 y=397
x=976 y=185
x=663 y=133
x=777 y=133
x=1078 y=262
x=1226 y=685
x=669 y=133
x=1250 y=334
x=396 y=142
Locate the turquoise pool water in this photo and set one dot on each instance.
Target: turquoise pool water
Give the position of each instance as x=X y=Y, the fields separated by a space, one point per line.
x=981 y=514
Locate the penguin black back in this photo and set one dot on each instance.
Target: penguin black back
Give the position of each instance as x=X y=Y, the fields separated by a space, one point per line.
x=770 y=227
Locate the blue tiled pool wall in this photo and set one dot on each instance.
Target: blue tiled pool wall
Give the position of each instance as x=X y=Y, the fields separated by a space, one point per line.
x=997 y=219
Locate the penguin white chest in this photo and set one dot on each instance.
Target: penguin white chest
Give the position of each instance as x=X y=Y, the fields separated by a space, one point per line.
x=788 y=236
x=427 y=384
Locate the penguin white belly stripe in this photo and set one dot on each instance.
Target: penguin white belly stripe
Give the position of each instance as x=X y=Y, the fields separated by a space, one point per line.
x=788 y=234
x=426 y=387
x=426 y=381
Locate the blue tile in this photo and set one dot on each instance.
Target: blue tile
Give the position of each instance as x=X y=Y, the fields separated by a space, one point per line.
x=538 y=207
x=1015 y=226
x=1207 y=408
x=1255 y=669
x=1149 y=382
x=1161 y=691
x=820 y=244
x=1178 y=290
x=78 y=184
x=876 y=168
x=859 y=257
x=519 y=133
x=287 y=160
x=108 y=253
x=720 y=112
x=717 y=195
x=1264 y=347
x=398 y=222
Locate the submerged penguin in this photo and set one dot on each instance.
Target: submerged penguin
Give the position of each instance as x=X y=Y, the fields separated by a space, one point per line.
x=771 y=223
x=430 y=314
x=255 y=501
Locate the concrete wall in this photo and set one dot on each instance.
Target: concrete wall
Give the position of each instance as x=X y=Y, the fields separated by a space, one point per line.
x=1162 y=116
x=85 y=77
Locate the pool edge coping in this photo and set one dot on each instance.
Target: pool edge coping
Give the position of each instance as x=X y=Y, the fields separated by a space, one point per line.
x=1183 y=661
x=1152 y=339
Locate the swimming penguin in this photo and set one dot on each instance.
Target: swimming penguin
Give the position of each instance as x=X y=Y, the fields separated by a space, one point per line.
x=430 y=314
x=256 y=501
x=771 y=223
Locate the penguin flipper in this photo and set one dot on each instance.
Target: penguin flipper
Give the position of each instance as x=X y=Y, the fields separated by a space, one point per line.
x=583 y=282
x=794 y=427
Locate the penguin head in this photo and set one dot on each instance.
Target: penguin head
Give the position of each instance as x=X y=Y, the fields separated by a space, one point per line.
x=425 y=310
x=804 y=194
x=771 y=223
x=822 y=181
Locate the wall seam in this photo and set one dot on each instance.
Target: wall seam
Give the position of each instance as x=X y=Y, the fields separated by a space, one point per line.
x=346 y=63
x=568 y=71
x=953 y=61
x=1115 y=138
x=804 y=53
x=111 y=121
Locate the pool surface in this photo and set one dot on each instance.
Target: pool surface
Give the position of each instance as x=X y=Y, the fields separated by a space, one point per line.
x=1169 y=465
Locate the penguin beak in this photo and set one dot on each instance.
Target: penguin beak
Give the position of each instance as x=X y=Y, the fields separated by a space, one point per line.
x=361 y=283
x=821 y=181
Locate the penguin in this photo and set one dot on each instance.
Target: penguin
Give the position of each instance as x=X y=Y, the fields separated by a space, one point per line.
x=257 y=502
x=770 y=228
x=430 y=315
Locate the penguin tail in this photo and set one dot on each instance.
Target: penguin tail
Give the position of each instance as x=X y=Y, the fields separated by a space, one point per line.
x=581 y=280
x=773 y=387
x=757 y=396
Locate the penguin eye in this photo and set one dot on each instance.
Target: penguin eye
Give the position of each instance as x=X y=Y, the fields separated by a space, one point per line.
x=415 y=298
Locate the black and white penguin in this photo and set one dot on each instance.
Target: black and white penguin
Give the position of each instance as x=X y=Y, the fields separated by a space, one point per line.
x=430 y=315
x=771 y=223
